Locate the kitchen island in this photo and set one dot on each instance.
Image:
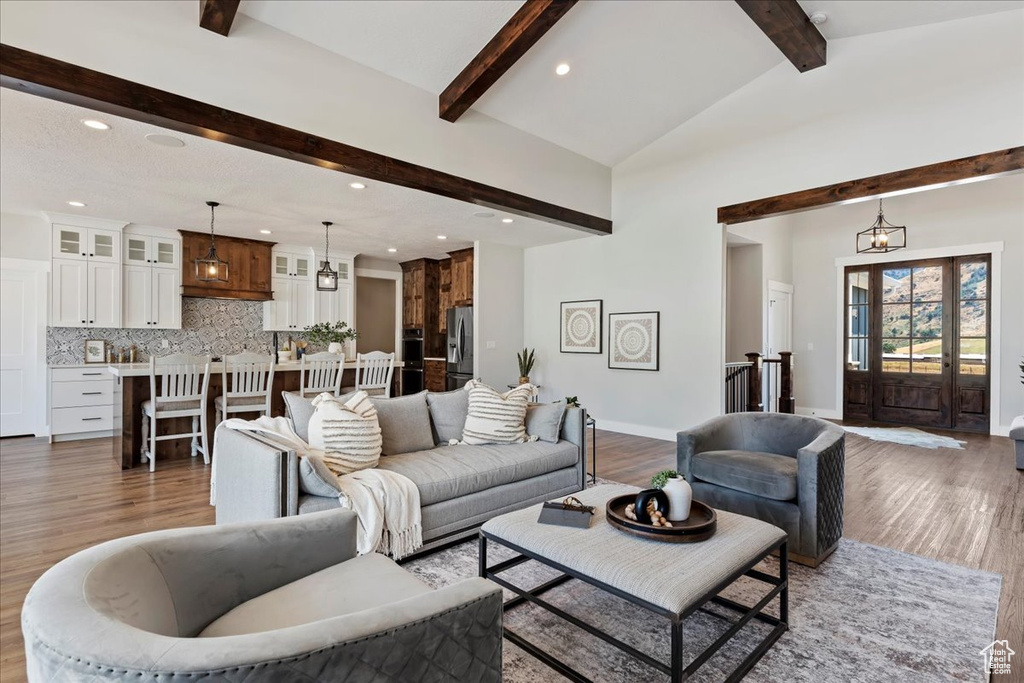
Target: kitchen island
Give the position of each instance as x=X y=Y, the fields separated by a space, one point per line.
x=131 y=389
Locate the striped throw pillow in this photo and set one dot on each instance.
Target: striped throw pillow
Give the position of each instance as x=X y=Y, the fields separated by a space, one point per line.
x=493 y=417
x=347 y=431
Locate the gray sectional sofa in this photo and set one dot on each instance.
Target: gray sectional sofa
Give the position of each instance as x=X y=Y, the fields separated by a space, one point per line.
x=460 y=486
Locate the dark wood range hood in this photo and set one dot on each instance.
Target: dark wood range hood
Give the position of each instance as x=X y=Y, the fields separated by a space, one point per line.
x=249 y=267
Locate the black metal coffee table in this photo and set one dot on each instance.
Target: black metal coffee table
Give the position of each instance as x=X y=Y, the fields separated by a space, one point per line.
x=621 y=564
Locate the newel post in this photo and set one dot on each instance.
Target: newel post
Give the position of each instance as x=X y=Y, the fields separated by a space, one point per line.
x=754 y=383
x=787 y=404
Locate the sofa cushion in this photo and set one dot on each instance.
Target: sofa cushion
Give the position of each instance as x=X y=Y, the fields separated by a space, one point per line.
x=452 y=471
x=448 y=411
x=346 y=431
x=404 y=423
x=544 y=420
x=299 y=410
x=358 y=584
x=496 y=417
x=315 y=478
x=762 y=474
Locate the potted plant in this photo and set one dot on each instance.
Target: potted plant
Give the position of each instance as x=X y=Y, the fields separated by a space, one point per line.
x=332 y=335
x=526 y=359
x=678 y=491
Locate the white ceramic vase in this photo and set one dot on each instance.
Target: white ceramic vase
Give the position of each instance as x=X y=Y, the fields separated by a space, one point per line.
x=336 y=347
x=680 y=495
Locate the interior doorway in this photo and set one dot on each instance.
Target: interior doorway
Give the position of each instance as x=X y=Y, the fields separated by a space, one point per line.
x=917 y=337
x=376 y=314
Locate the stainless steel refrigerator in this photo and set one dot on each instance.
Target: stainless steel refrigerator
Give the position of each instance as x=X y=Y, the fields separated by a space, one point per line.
x=460 y=346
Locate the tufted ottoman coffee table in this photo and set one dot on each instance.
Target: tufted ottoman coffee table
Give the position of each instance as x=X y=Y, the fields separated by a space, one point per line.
x=692 y=577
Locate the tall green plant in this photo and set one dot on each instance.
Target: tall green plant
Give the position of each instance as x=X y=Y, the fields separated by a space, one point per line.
x=526 y=359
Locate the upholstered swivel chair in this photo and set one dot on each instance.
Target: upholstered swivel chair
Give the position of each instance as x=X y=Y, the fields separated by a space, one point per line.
x=783 y=469
x=278 y=600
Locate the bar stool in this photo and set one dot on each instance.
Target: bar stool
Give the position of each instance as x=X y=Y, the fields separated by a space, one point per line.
x=320 y=372
x=184 y=384
x=246 y=382
x=373 y=373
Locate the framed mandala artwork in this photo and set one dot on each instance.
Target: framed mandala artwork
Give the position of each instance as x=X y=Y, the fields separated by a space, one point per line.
x=634 y=341
x=581 y=326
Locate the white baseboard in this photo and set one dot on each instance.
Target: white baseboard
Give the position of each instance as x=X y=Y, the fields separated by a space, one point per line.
x=637 y=430
x=823 y=413
x=999 y=430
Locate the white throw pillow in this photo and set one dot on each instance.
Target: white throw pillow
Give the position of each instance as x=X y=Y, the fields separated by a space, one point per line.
x=347 y=431
x=494 y=417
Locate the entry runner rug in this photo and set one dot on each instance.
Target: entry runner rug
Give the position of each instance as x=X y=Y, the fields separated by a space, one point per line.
x=866 y=614
x=907 y=436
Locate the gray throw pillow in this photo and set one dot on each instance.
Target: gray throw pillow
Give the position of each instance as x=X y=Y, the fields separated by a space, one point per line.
x=448 y=412
x=316 y=480
x=544 y=420
x=299 y=410
x=404 y=423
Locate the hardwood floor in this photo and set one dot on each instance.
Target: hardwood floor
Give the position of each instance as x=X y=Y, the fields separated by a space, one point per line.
x=965 y=507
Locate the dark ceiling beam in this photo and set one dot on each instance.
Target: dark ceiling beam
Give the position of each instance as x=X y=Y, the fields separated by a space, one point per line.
x=933 y=176
x=512 y=41
x=46 y=77
x=217 y=15
x=786 y=25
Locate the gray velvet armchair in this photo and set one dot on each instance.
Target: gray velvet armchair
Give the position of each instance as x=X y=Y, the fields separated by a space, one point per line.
x=284 y=599
x=783 y=469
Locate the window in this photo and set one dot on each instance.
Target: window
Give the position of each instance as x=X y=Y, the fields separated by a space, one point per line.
x=857 y=320
x=972 y=357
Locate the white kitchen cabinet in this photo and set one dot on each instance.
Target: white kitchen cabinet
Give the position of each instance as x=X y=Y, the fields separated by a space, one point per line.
x=152 y=297
x=159 y=252
x=293 y=265
x=330 y=307
x=292 y=308
x=69 y=300
x=104 y=294
x=81 y=403
x=93 y=244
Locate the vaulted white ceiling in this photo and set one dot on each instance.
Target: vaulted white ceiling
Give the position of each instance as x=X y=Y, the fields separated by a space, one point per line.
x=50 y=158
x=639 y=67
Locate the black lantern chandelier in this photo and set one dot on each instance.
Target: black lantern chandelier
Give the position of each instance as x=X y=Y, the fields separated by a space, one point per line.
x=882 y=236
x=326 y=277
x=210 y=268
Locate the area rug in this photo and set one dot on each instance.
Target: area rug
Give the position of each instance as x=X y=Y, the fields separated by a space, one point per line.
x=866 y=614
x=907 y=436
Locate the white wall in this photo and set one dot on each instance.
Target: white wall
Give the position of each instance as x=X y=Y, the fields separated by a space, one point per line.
x=744 y=293
x=25 y=237
x=269 y=74
x=991 y=211
x=498 y=313
x=949 y=90
x=370 y=263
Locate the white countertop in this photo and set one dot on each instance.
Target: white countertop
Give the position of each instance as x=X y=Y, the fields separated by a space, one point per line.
x=142 y=369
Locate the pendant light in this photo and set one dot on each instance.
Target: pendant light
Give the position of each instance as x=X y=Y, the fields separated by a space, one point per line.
x=882 y=236
x=211 y=268
x=326 y=277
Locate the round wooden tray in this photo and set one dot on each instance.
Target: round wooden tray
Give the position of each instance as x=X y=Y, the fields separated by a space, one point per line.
x=699 y=526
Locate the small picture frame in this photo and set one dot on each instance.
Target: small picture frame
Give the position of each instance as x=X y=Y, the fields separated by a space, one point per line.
x=634 y=341
x=580 y=325
x=95 y=351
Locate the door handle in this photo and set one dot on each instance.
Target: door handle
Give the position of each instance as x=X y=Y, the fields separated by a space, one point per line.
x=91 y=393
x=946 y=364
x=86 y=419
x=90 y=374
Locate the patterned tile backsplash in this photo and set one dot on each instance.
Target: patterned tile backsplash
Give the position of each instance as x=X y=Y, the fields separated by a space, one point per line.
x=208 y=326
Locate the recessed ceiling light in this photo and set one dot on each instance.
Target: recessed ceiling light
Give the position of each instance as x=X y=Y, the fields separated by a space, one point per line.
x=484 y=214
x=78 y=204
x=165 y=140
x=357 y=186
x=391 y=250
x=95 y=125
x=264 y=232
x=506 y=220
x=442 y=237
x=562 y=69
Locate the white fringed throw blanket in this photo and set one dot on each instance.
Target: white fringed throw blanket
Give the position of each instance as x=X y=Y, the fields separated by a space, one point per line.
x=387 y=503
